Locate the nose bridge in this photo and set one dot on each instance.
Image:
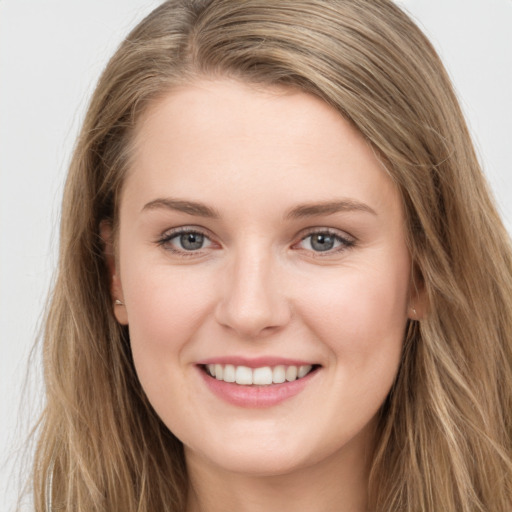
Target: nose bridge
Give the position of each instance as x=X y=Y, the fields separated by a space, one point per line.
x=253 y=300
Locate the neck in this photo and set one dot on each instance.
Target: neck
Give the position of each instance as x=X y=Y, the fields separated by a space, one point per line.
x=328 y=485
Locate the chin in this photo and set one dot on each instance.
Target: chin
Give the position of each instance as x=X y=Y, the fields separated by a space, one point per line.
x=262 y=458
x=259 y=463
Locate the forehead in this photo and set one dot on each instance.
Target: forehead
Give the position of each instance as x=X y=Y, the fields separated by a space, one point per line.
x=219 y=108
x=216 y=136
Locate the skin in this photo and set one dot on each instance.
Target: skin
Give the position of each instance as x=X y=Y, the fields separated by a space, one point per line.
x=259 y=287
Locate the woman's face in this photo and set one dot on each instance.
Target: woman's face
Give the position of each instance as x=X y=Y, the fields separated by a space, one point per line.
x=261 y=239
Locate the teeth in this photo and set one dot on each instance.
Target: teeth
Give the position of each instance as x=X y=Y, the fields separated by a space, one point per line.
x=263 y=376
x=279 y=374
x=243 y=375
x=229 y=373
x=302 y=372
x=291 y=373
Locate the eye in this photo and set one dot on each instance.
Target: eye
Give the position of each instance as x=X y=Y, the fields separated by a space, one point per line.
x=325 y=241
x=184 y=240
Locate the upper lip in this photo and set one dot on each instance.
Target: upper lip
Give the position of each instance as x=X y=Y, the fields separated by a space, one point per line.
x=256 y=362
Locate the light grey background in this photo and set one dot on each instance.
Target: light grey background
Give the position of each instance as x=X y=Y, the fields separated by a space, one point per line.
x=51 y=53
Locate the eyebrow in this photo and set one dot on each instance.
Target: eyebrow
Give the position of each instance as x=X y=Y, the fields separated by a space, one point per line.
x=180 y=205
x=327 y=208
x=298 y=212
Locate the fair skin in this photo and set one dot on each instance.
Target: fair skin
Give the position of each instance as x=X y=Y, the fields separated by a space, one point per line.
x=293 y=254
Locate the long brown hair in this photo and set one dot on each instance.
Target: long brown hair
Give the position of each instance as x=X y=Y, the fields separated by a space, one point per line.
x=445 y=433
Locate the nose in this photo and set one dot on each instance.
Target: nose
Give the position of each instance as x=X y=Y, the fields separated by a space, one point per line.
x=252 y=301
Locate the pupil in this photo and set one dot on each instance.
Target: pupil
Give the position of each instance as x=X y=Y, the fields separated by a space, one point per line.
x=191 y=241
x=322 y=242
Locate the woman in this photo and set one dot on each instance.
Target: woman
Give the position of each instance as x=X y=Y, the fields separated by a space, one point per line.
x=283 y=284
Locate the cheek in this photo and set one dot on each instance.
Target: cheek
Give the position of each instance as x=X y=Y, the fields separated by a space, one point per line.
x=361 y=318
x=165 y=307
x=360 y=315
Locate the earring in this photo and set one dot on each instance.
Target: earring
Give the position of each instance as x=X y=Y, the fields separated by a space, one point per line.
x=117 y=302
x=414 y=312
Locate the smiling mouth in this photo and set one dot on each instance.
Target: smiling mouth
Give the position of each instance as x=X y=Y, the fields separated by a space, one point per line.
x=262 y=376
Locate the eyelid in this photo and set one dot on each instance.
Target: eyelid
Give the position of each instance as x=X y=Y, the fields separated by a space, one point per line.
x=164 y=239
x=347 y=241
x=168 y=233
x=331 y=231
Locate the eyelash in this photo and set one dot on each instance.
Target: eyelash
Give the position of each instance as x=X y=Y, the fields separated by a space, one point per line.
x=164 y=241
x=345 y=242
x=166 y=238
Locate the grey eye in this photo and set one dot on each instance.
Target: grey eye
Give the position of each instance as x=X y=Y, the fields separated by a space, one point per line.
x=322 y=242
x=325 y=241
x=191 y=241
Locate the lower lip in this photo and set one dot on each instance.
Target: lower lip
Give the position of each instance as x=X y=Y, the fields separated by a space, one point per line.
x=255 y=396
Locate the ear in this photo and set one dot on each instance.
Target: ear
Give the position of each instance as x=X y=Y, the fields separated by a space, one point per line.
x=115 y=286
x=418 y=303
